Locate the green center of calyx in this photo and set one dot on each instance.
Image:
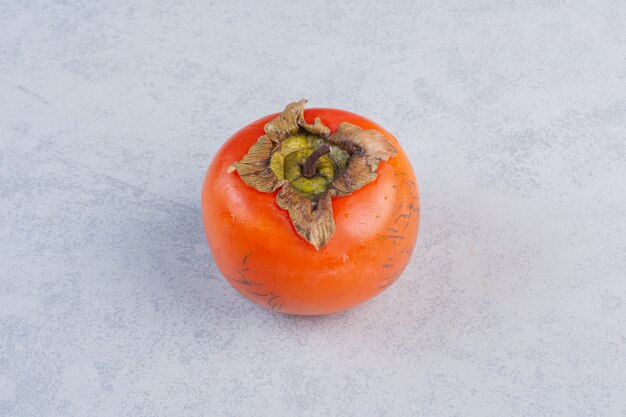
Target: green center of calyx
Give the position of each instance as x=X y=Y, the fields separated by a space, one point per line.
x=309 y=163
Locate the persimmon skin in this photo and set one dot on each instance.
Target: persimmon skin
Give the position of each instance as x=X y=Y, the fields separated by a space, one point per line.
x=258 y=251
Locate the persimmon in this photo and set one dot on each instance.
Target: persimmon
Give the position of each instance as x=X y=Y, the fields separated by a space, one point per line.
x=311 y=211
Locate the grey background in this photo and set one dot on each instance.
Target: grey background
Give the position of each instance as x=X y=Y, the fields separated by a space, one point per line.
x=513 y=114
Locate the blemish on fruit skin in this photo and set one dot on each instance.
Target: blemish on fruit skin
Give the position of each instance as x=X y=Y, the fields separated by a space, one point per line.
x=347 y=214
x=271 y=301
x=385 y=197
x=245 y=258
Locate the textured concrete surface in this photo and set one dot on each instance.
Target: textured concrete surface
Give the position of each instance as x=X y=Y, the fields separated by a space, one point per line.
x=513 y=113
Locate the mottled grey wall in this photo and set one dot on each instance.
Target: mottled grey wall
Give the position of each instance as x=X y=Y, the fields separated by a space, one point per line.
x=513 y=113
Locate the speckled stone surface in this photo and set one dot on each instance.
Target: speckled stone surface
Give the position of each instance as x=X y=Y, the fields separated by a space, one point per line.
x=513 y=114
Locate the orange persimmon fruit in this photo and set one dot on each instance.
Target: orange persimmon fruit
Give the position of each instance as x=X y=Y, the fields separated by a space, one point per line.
x=311 y=211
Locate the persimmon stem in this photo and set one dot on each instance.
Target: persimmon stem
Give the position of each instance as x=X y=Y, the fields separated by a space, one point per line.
x=308 y=168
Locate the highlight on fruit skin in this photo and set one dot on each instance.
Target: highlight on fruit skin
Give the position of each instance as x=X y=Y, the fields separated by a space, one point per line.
x=311 y=211
x=310 y=166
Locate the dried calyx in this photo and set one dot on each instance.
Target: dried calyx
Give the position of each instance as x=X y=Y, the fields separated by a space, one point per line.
x=309 y=166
